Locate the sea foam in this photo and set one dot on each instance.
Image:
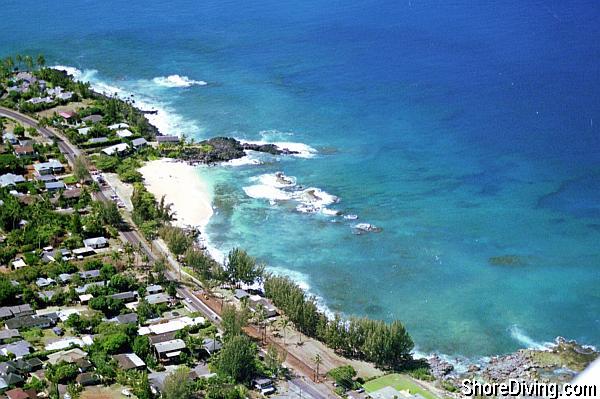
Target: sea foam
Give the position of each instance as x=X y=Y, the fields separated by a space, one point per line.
x=145 y=95
x=519 y=335
x=177 y=81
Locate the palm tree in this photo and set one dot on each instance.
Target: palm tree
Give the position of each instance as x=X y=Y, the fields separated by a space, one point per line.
x=318 y=362
x=19 y=59
x=29 y=62
x=10 y=63
x=129 y=251
x=285 y=324
x=41 y=61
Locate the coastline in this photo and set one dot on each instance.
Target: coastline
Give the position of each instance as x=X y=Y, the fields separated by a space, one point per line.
x=183 y=187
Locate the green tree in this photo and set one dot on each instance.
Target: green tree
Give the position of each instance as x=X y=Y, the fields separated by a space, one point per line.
x=242 y=268
x=177 y=385
x=81 y=169
x=237 y=359
x=233 y=321
x=8 y=291
x=41 y=61
x=141 y=346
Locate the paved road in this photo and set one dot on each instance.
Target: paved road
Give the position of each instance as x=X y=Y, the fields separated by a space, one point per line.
x=70 y=151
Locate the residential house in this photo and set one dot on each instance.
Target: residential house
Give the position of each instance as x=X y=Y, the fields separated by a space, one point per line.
x=138 y=143
x=68 y=356
x=167 y=139
x=19 y=349
x=18 y=393
x=18 y=264
x=9 y=334
x=156 y=299
x=127 y=318
x=10 y=179
x=50 y=167
x=169 y=350
x=67 y=115
x=80 y=253
x=154 y=289
x=83 y=289
x=89 y=274
x=23 y=151
x=44 y=282
x=256 y=302
x=85 y=298
x=129 y=361
x=96 y=242
x=118 y=126
x=98 y=140
x=72 y=194
x=129 y=296
x=116 y=149
x=124 y=133
x=84 y=131
x=241 y=294
x=65 y=277
x=29 y=322
x=21 y=310
x=92 y=118
x=54 y=186
x=10 y=138
x=211 y=346
x=87 y=379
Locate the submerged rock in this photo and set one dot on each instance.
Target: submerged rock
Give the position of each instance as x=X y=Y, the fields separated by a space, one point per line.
x=507 y=260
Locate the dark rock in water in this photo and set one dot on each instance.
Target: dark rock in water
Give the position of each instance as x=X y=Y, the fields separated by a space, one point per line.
x=507 y=260
x=439 y=367
x=223 y=149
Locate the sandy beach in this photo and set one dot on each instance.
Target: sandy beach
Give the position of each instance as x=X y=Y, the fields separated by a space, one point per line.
x=183 y=187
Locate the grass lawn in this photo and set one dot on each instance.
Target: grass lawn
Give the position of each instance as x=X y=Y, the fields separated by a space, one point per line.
x=399 y=382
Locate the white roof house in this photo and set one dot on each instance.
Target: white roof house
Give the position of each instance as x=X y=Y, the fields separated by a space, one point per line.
x=10 y=179
x=84 y=131
x=139 y=142
x=124 y=133
x=19 y=264
x=116 y=149
x=118 y=126
x=96 y=242
x=171 y=326
x=52 y=165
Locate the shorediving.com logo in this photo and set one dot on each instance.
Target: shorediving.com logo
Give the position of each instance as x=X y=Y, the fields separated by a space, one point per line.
x=518 y=388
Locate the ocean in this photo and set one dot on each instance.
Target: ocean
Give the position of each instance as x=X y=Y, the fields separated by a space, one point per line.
x=467 y=132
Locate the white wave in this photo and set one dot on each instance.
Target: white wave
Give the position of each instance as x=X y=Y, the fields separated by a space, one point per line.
x=302 y=150
x=263 y=191
x=330 y=212
x=316 y=197
x=247 y=160
x=460 y=363
x=519 y=335
x=144 y=96
x=350 y=216
x=177 y=81
x=277 y=180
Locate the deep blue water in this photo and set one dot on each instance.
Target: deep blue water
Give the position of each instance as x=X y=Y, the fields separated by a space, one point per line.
x=465 y=130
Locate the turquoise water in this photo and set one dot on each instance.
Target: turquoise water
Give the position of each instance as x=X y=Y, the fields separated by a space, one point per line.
x=464 y=131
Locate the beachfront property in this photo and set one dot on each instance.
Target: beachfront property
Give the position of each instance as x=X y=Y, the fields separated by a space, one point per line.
x=124 y=133
x=138 y=143
x=167 y=139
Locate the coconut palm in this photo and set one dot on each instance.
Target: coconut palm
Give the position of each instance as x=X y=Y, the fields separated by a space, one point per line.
x=41 y=61
x=285 y=324
x=317 y=360
x=28 y=62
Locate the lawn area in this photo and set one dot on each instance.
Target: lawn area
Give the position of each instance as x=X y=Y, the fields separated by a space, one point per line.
x=399 y=382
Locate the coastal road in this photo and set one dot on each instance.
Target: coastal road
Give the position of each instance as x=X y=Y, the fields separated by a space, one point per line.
x=69 y=150
x=133 y=237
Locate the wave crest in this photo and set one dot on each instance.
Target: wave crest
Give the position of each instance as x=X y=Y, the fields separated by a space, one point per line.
x=177 y=81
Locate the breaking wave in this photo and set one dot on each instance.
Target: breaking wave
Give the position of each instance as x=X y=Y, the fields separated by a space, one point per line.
x=177 y=81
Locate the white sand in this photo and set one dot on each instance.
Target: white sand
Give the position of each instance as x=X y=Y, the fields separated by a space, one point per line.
x=182 y=186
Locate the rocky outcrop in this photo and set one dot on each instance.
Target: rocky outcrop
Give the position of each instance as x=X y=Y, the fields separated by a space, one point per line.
x=439 y=367
x=223 y=149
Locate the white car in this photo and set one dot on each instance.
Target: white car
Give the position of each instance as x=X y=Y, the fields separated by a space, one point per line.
x=125 y=392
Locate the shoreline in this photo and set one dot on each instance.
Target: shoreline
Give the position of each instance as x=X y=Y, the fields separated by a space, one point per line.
x=183 y=187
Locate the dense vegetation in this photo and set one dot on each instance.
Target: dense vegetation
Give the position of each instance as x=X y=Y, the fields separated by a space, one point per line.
x=386 y=345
